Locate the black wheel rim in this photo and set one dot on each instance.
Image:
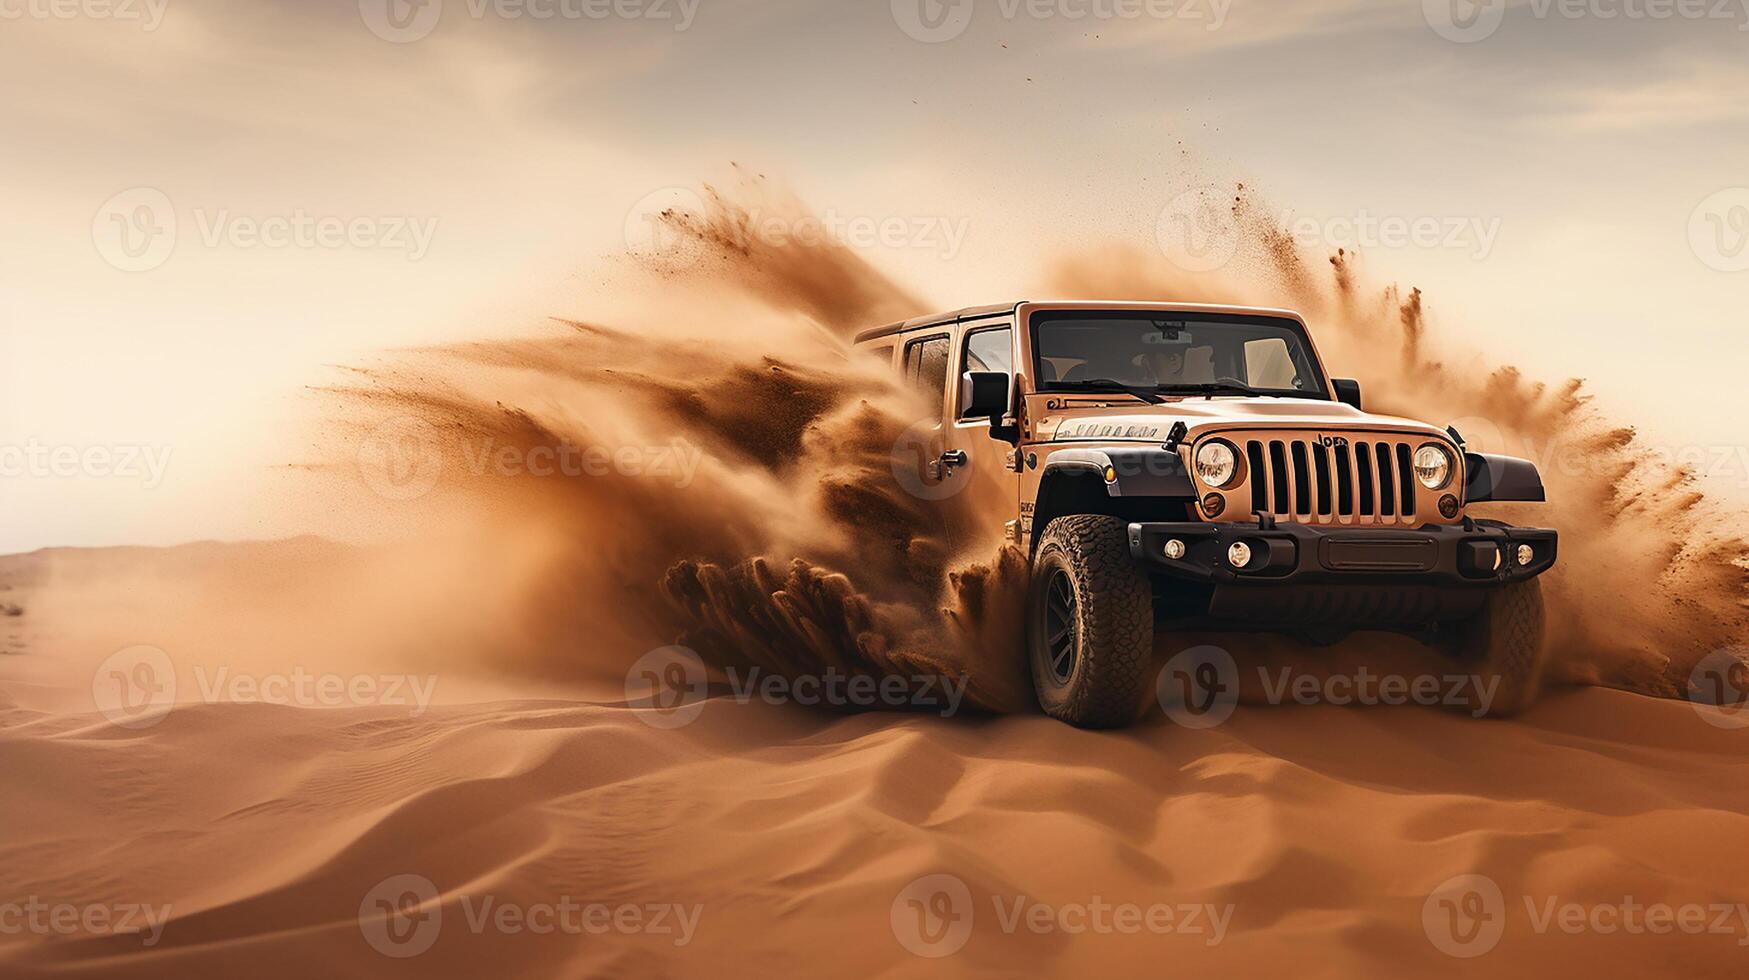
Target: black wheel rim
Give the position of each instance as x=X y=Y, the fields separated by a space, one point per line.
x=1062 y=626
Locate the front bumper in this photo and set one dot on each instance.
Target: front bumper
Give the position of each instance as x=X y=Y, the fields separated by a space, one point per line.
x=1472 y=555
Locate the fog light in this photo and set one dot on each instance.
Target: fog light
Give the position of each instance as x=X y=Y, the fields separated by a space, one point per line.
x=1526 y=554
x=1448 y=506
x=1214 y=504
x=1239 y=555
x=1175 y=549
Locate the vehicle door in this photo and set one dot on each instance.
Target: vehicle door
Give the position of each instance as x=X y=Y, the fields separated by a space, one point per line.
x=978 y=462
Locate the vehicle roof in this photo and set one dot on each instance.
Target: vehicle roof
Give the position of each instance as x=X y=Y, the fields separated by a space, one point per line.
x=936 y=319
x=999 y=309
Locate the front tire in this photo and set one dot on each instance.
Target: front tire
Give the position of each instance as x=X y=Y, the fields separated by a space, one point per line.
x=1504 y=647
x=1090 y=623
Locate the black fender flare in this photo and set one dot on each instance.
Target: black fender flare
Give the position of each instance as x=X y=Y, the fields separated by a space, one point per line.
x=1490 y=478
x=1139 y=472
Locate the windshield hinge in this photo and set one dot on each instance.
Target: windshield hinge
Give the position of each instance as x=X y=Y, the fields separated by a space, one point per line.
x=1175 y=436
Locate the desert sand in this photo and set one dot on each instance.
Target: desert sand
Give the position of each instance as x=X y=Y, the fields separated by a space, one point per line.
x=279 y=839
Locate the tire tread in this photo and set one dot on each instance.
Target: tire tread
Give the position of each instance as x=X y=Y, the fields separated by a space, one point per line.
x=1116 y=616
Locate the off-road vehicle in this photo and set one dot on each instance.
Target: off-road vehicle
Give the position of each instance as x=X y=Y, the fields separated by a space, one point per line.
x=1182 y=467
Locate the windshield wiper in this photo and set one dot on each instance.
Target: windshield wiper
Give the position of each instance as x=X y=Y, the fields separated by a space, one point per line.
x=1148 y=395
x=1218 y=388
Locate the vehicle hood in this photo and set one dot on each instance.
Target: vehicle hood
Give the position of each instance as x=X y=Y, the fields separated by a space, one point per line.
x=1101 y=419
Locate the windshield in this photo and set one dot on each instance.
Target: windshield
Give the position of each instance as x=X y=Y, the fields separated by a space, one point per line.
x=1187 y=352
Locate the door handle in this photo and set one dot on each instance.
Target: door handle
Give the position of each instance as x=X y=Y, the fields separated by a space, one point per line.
x=942 y=468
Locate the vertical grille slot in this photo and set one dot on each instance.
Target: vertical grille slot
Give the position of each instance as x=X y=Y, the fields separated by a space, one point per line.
x=1279 y=474
x=1302 y=479
x=1344 y=480
x=1259 y=478
x=1321 y=463
x=1387 y=481
x=1406 y=476
x=1363 y=468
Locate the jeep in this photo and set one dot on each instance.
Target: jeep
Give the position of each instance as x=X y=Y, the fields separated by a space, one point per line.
x=1183 y=467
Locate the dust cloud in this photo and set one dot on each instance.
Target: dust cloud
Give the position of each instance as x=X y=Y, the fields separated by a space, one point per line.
x=790 y=546
x=1653 y=575
x=780 y=536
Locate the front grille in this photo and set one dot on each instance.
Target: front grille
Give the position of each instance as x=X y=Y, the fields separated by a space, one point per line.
x=1358 y=479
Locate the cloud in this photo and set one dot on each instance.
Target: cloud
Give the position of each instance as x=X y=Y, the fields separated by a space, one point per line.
x=1199 y=26
x=1693 y=95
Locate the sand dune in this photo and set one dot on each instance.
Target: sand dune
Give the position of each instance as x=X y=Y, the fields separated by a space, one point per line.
x=767 y=839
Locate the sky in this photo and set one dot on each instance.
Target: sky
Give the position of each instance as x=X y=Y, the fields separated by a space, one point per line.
x=204 y=205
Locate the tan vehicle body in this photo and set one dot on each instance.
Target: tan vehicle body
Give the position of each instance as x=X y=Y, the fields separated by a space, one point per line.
x=1322 y=524
x=1095 y=421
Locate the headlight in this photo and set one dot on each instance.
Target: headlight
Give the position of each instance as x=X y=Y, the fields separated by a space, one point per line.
x=1432 y=467
x=1216 y=464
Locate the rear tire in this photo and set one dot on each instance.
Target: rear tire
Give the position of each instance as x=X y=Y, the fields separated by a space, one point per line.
x=1090 y=623
x=1504 y=647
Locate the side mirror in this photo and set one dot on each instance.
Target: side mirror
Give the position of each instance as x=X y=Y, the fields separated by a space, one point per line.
x=990 y=395
x=984 y=395
x=1347 y=392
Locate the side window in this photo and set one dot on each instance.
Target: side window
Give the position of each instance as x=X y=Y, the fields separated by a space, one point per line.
x=926 y=365
x=990 y=349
